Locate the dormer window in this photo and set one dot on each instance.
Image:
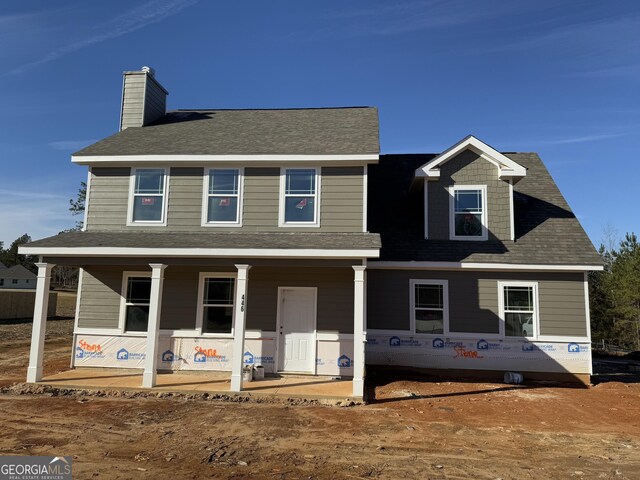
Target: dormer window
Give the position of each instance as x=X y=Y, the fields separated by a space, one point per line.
x=468 y=212
x=147 y=203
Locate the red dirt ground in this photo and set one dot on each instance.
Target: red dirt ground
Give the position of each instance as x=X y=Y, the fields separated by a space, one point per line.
x=417 y=427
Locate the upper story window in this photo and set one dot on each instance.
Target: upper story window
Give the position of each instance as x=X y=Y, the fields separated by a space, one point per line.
x=518 y=308
x=429 y=306
x=223 y=197
x=299 y=197
x=468 y=212
x=148 y=196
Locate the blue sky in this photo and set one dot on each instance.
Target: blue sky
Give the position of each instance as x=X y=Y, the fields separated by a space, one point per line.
x=558 y=78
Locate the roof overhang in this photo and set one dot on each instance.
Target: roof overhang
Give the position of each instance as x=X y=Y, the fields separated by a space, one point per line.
x=507 y=168
x=308 y=253
x=203 y=159
x=484 y=266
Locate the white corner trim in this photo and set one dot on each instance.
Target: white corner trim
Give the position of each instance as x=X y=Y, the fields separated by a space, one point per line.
x=98 y=159
x=78 y=299
x=200 y=252
x=426 y=209
x=373 y=264
x=512 y=211
x=86 y=200
x=506 y=166
x=365 y=199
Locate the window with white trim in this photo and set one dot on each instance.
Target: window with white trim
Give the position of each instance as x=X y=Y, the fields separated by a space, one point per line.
x=137 y=297
x=223 y=196
x=299 y=200
x=217 y=303
x=429 y=306
x=518 y=309
x=468 y=212
x=148 y=195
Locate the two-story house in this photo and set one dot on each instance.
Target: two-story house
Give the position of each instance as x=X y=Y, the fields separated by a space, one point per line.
x=218 y=238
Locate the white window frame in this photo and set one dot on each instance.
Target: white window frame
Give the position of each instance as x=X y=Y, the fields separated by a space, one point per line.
x=206 y=195
x=452 y=217
x=536 y=307
x=123 y=301
x=283 y=195
x=412 y=305
x=200 y=313
x=165 y=199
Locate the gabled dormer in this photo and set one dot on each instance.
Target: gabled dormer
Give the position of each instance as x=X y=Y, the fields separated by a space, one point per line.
x=468 y=193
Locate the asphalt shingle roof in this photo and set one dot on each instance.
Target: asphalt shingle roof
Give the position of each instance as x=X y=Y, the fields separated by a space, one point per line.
x=310 y=131
x=138 y=239
x=17 y=272
x=547 y=231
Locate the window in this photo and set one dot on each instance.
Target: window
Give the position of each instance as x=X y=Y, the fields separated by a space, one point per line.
x=147 y=203
x=1 y=282
x=518 y=309
x=223 y=199
x=468 y=219
x=14 y=281
x=136 y=303
x=299 y=197
x=430 y=306
x=216 y=303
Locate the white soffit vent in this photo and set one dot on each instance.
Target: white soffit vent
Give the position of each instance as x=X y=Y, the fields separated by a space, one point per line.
x=507 y=168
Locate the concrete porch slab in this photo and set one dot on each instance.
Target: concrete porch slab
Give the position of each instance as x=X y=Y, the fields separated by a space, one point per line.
x=288 y=386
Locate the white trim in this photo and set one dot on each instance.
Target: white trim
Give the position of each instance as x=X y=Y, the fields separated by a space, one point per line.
x=110 y=332
x=282 y=199
x=373 y=264
x=412 y=306
x=205 y=199
x=426 y=209
x=78 y=298
x=123 y=300
x=536 y=307
x=334 y=337
x=506 y=166
x=199 y=313
x=314 y=342
x=365 y=199
x=199 y=252
x=96 y=159
x=452 y=215
x=541 y=338
x=86 y=201
x=587 y=311
x=165 y=200
x=512 y=211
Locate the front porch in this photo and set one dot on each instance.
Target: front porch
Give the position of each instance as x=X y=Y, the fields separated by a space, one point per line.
x=211 y=382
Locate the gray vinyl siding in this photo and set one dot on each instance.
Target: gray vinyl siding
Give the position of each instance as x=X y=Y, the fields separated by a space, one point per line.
x=335 y=296
x=132 y=101
x=108 y=198
x=101 y=286
x=473 y=300
x=468 y=168
x=341 y=200
x=100 y=297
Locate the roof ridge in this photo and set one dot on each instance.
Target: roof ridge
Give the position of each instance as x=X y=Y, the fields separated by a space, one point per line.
x=268 y=109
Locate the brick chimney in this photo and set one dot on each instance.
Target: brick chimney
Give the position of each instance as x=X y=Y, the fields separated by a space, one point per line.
x=144 y=100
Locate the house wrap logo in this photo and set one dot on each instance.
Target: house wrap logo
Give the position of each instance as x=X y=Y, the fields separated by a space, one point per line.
x=36 y=468
x=399 y=342
x=123 y=355
x=251 y=359
x=248 y=358
x=344 y=361
x=204 y=355
x=89 y=350
x=576 y=348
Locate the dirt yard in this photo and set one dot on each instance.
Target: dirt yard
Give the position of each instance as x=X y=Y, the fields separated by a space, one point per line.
x=421 y=428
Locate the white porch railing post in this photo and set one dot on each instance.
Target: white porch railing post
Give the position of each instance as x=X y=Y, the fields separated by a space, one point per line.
x=239 y=323
x=359 y=333
x=153 y=327
x=34 y=372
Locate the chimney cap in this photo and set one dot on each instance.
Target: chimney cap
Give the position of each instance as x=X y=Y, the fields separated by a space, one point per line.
x=151 y=71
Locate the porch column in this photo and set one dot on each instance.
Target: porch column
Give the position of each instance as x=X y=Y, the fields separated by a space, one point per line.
x=153 y=326
x=359 y=333
x=34 y=372
x=239 y=322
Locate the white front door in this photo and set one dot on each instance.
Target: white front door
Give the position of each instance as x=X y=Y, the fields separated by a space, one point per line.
x=296 y=342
